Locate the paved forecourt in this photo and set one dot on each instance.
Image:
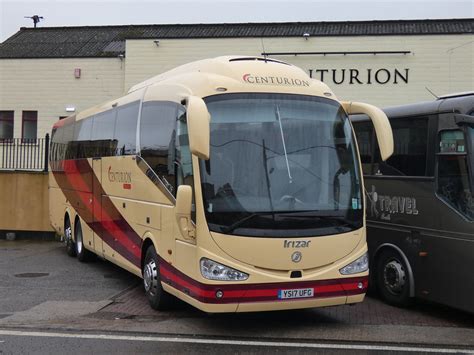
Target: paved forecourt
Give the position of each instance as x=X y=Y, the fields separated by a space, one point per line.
x=44 y=290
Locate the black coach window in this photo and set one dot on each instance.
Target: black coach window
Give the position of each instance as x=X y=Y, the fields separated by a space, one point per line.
x=410 y=136
x=157 y=146
x=126 y=128
x=453 y=184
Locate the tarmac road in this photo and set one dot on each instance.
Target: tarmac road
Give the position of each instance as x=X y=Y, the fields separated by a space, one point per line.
x=51 y=303
x=14 y=342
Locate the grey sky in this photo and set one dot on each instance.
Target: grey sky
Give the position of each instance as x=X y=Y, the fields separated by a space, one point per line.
x=111 y=12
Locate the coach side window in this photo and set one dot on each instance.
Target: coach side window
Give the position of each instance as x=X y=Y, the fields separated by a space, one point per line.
x=183 y=159
x=82 y=138
x=126 y=128
x=453 y=172
x=57 y=147
x=183 y=153
x=66 y=139
x=409 y=158
x=103 y=144
x=157 y=146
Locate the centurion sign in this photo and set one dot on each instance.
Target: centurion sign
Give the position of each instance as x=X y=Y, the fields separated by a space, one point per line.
x=368 y=76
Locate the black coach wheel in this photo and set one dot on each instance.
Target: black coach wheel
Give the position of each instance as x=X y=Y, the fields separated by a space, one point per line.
x=393 y=280
x=82 y=253
x=158 y=298
x=70 y=245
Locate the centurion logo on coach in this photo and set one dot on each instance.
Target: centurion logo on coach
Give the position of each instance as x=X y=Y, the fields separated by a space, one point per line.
x=274 y=80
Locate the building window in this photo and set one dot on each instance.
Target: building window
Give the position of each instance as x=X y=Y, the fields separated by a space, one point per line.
x=6 y=125
x=30 y=124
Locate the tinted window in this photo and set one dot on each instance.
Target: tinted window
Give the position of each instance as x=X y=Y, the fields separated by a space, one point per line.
x=66 y=139
x=80 y=147
x=126 y=128
x=157 y=126
x=6 y=124
x=410 y=137
x=104 y=125
x=30 y=124
x=83 y=130
x=56 y=145
x=453 y=173
x=103 y=144
x=364 y=131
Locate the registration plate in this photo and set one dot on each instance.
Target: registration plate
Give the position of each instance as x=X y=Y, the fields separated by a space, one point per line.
x=296 y=293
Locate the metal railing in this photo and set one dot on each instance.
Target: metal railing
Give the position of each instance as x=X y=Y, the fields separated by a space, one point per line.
x=24 y=154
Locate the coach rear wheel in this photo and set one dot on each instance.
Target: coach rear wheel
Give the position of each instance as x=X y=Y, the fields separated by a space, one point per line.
x=393 y=280
x=158 y=298
x=82 y=253
x=70 y=245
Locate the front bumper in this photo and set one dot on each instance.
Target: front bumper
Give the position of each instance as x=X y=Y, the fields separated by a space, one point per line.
x=245 y=297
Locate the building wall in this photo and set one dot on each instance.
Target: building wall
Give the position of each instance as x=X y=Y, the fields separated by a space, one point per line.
x=443 y=63
x=49 y=86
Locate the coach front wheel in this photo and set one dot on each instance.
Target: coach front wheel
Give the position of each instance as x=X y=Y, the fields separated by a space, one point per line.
x=393 y=280
x=158 y=298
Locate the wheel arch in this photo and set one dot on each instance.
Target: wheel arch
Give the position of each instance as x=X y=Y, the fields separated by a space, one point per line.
x=411 y=276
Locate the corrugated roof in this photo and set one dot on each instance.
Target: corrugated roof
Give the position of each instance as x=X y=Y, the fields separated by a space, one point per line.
x=109 y=41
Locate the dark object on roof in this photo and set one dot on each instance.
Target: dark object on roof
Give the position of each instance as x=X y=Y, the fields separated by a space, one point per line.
x=36 y=19
x=109 y=41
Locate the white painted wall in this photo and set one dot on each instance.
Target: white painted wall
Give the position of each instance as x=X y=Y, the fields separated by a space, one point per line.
x=49 y=86
x=444 y=63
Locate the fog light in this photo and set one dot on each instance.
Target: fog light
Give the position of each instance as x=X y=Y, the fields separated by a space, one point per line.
x=360 y=285
x=219 y=294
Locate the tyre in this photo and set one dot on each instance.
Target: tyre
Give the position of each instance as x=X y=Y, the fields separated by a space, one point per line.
x=70 y=245
x=82 y=253
x=392 y=279
x=158 y=298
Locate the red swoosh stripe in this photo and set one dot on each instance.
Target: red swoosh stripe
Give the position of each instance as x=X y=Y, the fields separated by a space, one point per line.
x=76 y=181
x=243 y=293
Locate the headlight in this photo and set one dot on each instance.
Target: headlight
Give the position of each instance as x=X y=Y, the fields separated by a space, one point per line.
x=359 y=265
x=212 y=270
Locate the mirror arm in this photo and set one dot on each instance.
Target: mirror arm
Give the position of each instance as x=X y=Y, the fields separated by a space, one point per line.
x=380 y=121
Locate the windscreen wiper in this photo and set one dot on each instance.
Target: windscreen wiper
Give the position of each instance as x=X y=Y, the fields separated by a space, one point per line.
x=241 y=221
x=277 y=113
x=316 y=214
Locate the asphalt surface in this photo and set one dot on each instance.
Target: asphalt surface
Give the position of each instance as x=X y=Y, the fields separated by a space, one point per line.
x=47 y=343
x=52 y=303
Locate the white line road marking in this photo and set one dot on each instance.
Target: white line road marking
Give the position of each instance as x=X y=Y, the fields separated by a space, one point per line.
x=289 y=344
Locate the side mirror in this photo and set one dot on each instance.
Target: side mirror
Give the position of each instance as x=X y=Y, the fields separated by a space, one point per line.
x=198 y=126
x=184 y=198
x=383 y=130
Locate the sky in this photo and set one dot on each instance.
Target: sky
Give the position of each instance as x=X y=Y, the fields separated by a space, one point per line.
x=116 y=12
